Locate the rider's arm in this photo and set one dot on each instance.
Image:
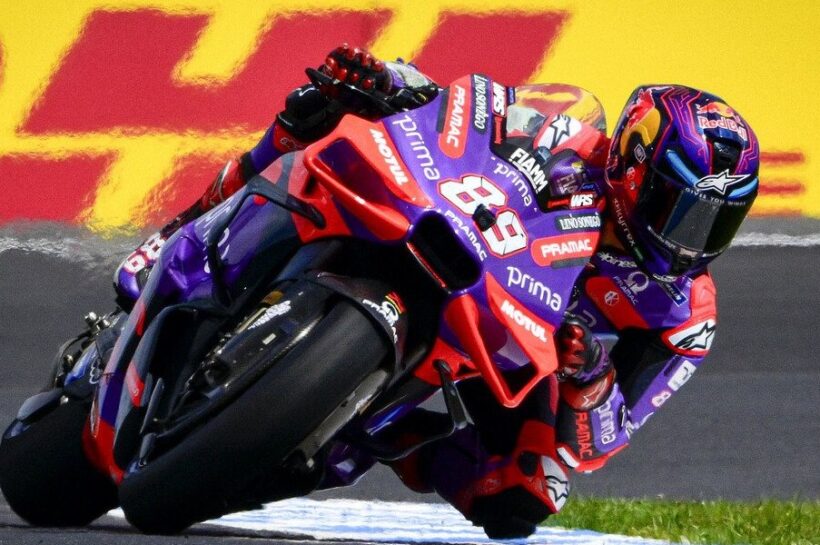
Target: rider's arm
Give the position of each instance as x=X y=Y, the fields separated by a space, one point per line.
x=309 y=114
x=599 y=411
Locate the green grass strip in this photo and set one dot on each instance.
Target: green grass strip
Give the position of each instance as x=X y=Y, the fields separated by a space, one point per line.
x=709 y=523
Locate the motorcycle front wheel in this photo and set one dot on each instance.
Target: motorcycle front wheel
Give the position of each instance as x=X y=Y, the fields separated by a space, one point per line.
x=217 y=468
x=45 y=475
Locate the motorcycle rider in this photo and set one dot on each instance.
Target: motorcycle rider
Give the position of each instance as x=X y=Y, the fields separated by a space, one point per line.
x=679 y=175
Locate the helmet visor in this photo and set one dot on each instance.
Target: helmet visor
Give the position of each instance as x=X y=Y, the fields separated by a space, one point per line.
x=688 y=221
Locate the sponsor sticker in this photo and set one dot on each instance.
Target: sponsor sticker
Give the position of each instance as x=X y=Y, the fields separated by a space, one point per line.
x=633 y=284
x=467 y=231
x=418 y=147
x=516 y=278
x=682 y=375
x=674 y=293
x=726 y=118
x=618 y=261
x=578 y=222
x=481 y=114
x=530 y=168
x=390 y=309
x=531 y=332
x=499 y=100
x=453 y=138
x=388 y=153
x=582 y=200
x=270 y=313
x=564 y=250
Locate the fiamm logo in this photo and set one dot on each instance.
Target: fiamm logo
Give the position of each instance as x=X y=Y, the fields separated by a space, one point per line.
x=117 y=115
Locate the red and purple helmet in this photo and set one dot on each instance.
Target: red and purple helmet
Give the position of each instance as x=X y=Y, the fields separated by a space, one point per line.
x=682 y=173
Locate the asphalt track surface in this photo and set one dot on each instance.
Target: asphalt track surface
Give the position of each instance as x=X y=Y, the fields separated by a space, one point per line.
x=745 y=427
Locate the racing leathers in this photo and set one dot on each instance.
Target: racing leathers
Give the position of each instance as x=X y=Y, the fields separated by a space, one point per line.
x=508 y=470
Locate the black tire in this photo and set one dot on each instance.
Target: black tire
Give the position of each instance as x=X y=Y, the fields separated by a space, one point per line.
x=45 y=476
x=217 y=469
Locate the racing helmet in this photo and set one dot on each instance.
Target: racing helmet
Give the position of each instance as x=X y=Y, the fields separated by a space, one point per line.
x=682 y=173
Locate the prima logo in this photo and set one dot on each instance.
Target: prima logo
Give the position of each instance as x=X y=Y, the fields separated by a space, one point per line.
x=607 y=419
x=518 y=279
x=418 y=146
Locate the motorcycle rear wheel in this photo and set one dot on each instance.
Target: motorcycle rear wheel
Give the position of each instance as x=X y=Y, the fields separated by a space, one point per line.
x=217 y=469
x=45 y=476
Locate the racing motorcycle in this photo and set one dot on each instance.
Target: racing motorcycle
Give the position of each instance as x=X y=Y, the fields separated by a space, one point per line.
x=282 y=335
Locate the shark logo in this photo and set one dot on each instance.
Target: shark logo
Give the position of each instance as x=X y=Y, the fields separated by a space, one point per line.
x=719 y=182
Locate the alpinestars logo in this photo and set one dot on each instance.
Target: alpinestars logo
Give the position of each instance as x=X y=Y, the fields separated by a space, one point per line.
x=719 y=182
x=558 y=131
x=696 y=339
x=702 y=339
x=557 y=481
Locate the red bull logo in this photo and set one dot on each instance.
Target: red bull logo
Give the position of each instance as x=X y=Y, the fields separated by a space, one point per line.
x=717 y=108
x=726 y=119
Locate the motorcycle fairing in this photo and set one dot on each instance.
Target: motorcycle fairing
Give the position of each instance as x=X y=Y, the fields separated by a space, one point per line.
x=506 y=319
x=379 y=182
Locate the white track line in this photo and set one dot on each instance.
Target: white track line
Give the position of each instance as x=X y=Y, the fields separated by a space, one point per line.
x=395 y=522
x=776 y=240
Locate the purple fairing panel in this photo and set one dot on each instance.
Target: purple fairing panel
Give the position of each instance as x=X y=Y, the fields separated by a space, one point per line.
x=345 y=465
x=520 y=252
x=182 y=274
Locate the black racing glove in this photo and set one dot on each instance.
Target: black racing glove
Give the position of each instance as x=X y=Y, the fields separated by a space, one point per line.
x=355 y=67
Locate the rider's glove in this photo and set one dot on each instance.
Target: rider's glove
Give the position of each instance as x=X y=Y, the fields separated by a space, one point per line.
x=581 y=356
x=356 y=67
